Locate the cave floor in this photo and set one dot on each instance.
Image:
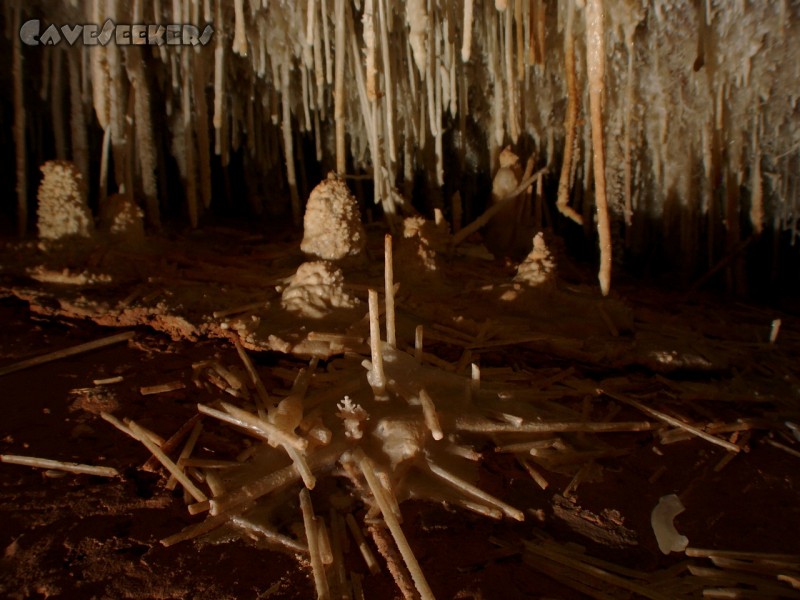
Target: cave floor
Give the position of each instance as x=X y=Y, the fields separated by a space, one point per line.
x=697 y=361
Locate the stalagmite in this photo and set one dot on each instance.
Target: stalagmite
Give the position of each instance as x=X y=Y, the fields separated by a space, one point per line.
x=377 y=378
x=595 y=64
x=391 y=335
x=63 y=210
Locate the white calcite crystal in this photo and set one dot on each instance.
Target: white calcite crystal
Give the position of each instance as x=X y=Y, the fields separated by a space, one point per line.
x=401 y=439
x=538 y=268
x=352 y=416
x=661 y=519
x=332 y=223
x=316 y=289
x=63 y=210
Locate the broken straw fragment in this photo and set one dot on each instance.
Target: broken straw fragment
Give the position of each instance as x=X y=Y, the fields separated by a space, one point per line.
x=379 y=493
x=58 y=354
x=69 y=467
x=661 y=519
x=312 y=535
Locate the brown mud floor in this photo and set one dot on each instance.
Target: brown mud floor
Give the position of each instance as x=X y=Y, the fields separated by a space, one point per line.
x=79 y=536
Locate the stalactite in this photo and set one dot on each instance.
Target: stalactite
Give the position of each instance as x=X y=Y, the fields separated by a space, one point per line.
x=570 y=121
x=389 y=86
x=106 y=149
x=311 y=20
x=44 y=92
x=511 y=92
x=319 y=65
x=57 y=106
x=418 y=76
x=19 y=125
x=288 y=144
x=756 y=183
x=629 y=107
x=100 y=84
x=429 y=77
x=305 y=95
x=520 y=41
x=326 y=39
x=199 y=78
x=417 y=19
x=368 y=32
x=338 y=94
x=466 y=45
x=240 y=32
x=595 y=64
x=78 y=129
x=190 y=180
x=145 y=147
x=117 y=98
x=436 y=76
x=219 y=85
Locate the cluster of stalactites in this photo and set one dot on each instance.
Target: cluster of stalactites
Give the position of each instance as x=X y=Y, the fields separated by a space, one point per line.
x=694 y=92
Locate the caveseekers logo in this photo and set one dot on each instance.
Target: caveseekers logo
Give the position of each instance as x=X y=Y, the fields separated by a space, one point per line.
x=121 y=34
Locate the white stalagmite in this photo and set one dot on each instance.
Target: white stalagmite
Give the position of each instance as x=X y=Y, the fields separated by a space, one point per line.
x=63 y=209
x=376 y=376
x=388 y=276
x=595 y=64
